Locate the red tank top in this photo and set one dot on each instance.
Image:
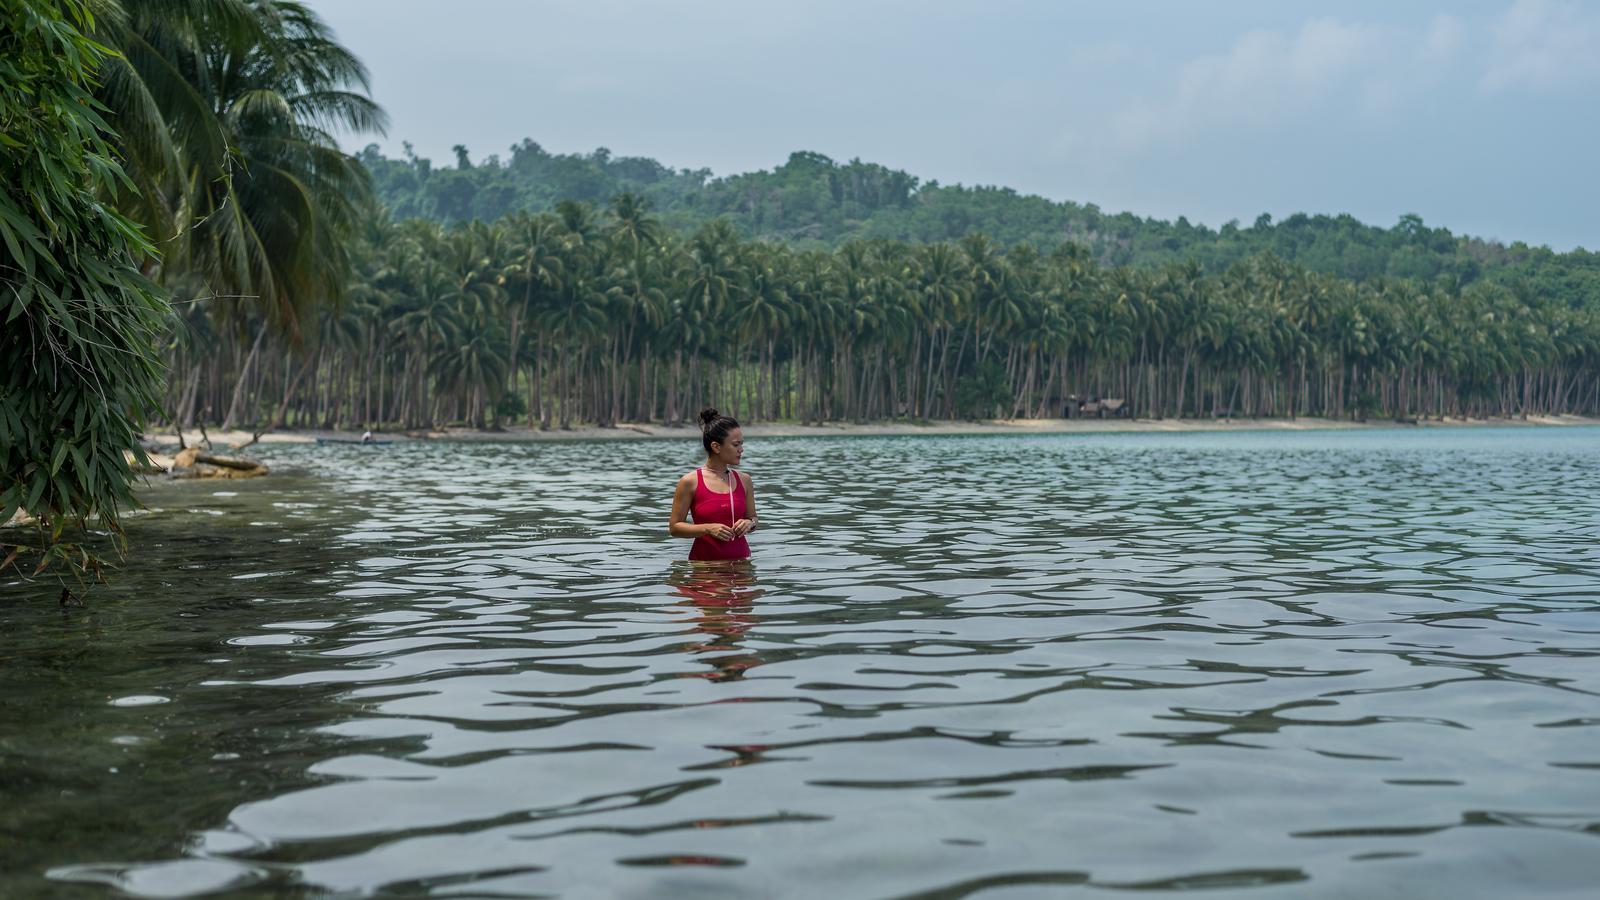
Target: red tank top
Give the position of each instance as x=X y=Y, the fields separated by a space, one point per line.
x=710 y=506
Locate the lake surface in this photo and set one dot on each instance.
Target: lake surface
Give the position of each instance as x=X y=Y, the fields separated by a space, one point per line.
x=1316 y=664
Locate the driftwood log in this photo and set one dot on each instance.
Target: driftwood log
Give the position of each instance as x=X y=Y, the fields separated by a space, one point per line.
x=193 y=462
x=229 y=462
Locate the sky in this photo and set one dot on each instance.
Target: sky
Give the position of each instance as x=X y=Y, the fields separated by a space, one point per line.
x=1478 y=115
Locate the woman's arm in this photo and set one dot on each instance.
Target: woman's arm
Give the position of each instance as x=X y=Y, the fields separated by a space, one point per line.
x=680 y=526
x=746 y=525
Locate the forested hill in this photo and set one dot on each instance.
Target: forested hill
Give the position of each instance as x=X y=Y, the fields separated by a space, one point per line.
x=812 y=200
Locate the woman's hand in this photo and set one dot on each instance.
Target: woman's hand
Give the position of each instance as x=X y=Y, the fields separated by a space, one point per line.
x=720 y=532
x=743 y=527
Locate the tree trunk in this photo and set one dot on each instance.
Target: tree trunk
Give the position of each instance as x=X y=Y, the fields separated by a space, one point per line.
x=238 y=386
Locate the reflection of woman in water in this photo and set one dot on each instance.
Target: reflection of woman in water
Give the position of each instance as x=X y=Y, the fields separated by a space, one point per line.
x=723 y=597
x=723 y=501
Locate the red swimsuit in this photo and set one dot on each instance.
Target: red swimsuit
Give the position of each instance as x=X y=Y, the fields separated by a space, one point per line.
x=710 y=506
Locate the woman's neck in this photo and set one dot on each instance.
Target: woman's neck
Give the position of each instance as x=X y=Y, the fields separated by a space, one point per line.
x=721 y=468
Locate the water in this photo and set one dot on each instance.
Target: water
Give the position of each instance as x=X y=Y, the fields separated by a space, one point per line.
x=1325 y=664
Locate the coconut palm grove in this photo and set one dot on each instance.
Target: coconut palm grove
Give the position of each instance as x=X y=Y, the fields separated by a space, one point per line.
x=184 y=242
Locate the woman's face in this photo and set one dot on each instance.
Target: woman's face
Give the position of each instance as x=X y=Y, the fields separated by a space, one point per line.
x=731 y=449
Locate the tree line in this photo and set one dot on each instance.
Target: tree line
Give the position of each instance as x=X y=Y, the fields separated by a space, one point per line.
x=584 y=315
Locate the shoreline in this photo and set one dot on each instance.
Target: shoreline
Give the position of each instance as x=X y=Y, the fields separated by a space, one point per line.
x=652 y=431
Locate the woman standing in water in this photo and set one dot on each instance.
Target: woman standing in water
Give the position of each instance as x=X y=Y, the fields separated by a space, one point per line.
x=723 y=501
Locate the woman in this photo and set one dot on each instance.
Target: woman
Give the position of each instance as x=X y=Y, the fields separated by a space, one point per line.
x=723 y=501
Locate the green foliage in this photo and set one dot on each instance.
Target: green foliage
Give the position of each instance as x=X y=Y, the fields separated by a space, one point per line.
x=605 y=316
x=983 y=394
x=812 y=201
x=511 y=406
x=77 y=367
x=232 y=102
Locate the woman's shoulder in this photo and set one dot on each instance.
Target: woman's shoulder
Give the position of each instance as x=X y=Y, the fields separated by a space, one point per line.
x=687 y=477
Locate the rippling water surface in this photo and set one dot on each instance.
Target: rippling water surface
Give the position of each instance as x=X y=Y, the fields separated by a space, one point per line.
x=1324 y=664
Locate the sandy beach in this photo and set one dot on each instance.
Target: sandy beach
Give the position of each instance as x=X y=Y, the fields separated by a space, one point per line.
x=648 y=431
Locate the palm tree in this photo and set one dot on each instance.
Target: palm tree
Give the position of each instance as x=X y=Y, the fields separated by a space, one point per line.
x=428 y=325
x=1192 y=318
x=633 y=230
x=168 y=127
x=712 y=279
x=230 y=104
x=636 y=288
x=576 y=316
x=942 y=289
x=247 y=91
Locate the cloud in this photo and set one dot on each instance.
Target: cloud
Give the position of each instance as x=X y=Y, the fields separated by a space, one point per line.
x=1543 y=45
x=1446 y=35
x=1263 y=75
x=1328 y=69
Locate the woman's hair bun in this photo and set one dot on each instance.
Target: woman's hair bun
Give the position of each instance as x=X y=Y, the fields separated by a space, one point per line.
x=714 y=427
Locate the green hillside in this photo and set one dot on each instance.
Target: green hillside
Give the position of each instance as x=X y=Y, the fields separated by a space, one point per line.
x=812 y=201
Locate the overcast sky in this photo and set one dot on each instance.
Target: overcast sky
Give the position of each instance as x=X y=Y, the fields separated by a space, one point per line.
x=1478 y=115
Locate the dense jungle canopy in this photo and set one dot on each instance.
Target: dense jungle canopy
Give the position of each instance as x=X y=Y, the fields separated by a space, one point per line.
x=589 y=316
x=813 y=202
x=556 y=289
x=274 y=280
